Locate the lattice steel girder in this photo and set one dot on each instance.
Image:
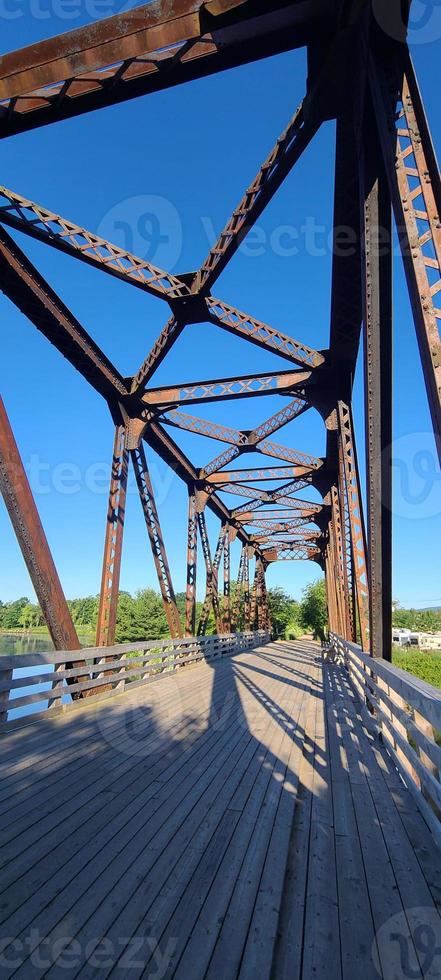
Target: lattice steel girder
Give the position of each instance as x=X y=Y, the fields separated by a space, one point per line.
x=282 y=157
x=346 y=547
x=203 y=427
x=156 y=540
x=211 y=569
x=52 y=229
x=340 y=557
x=105 y=633
x=192 y=552
x=276 y=527
x=226 y=607
x=235 y=614
x=356 y=520
x=297 y=553
x=170 y=452
x=253 y=441
x=222 y=389
x=250 y=475
x=235 y=321
x=415 y=186
x=147 y=49
x=212 y=584
x=22 y=510
x=168 y=336
x=295 y=408
x=21 y=282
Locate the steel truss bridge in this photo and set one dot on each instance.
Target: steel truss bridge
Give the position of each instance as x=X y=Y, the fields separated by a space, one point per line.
x=267 y=809
x=384 y=161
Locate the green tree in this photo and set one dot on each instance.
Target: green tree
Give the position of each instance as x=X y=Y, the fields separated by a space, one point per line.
x=283 y=609
x=11 y=613
x=314 y=608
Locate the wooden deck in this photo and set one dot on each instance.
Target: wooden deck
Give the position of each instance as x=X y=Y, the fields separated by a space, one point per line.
x=231 y=820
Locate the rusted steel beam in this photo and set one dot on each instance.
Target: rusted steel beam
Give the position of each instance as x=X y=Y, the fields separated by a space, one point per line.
x=242 y=325
x=65 y=236
x=156 y=540
x=212 y=568
x=192 y=553
x=253 y=601
x=212 y=586
x=276 y=527
x=349 y=580
x=246 y=590
x=415 y=186
x=282 y=157
x=163 y=344
x=108 y=607
x=346 y=292
x=223 y=389
x=304 y=507
x=170 y=452
x=298 y=552
x=378 y=388
x=22 y=510
x=236 y=611
x=21 y=282
x=147 y=49
x=251 y=475
x=203 y=427
x=295 y=408
x=356 y=520
x=340 y=559
x=226 y=607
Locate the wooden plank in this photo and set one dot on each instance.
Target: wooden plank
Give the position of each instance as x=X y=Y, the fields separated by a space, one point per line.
x=321 y=953
x=384 y=894
x=357 y=931
x=202 y=930
x=53 y=848
x=187 y=851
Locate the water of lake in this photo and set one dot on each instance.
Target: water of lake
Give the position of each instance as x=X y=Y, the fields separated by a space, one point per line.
x=14 y=643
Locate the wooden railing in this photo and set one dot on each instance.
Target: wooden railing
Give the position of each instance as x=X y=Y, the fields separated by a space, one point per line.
x=407 y=711
x=34 y=683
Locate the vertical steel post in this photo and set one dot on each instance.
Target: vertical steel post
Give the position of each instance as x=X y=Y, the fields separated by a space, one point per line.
x=227 y=589
x=356 y=519
x=108 y=607
x=236 y=612
x=378 y=387
x=22 y=510
x=192 y=551
x=246 y=590
x=212 y=570
x=156 y=540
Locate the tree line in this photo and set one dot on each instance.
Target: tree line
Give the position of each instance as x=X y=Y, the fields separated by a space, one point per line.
x=142 y=617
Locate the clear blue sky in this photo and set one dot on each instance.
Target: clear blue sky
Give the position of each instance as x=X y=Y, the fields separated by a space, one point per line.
x=186 y=155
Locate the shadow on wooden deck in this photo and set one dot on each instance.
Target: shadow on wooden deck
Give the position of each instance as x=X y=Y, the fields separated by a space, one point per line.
x=234 y=819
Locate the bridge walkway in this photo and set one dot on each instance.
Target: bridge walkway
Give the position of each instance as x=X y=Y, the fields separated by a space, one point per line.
x=232 y=820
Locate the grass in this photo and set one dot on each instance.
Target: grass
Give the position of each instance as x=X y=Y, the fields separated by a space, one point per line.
x=427 y=666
